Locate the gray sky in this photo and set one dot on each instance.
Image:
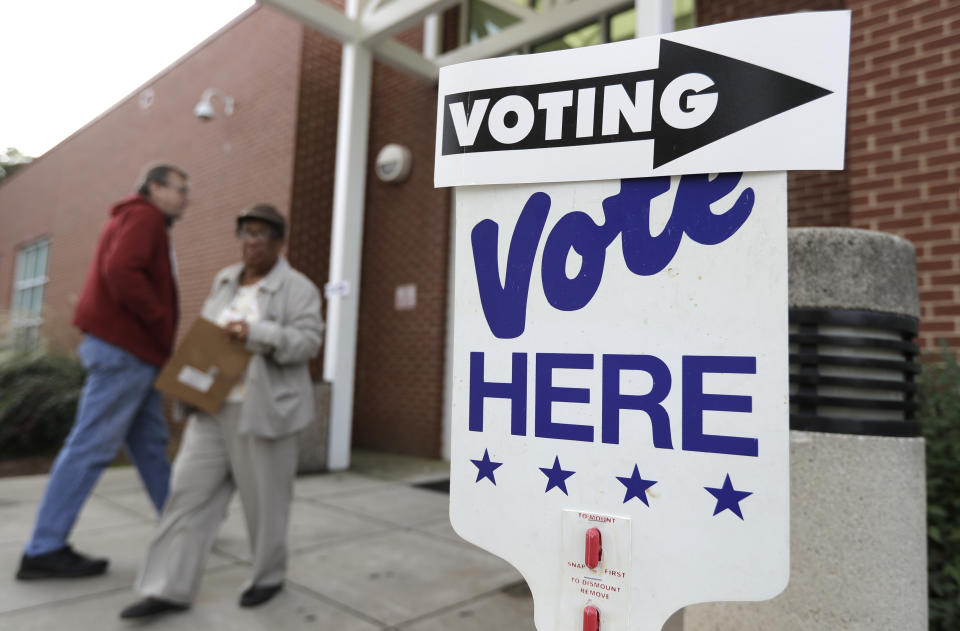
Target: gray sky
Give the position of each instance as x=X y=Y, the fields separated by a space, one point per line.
x=67 y=61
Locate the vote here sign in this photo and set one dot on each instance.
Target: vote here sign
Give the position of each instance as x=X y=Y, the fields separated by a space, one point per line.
x=619 y=397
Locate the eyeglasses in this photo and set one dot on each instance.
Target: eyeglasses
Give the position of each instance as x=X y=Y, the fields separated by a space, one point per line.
x=262 y=236
x=183 y=190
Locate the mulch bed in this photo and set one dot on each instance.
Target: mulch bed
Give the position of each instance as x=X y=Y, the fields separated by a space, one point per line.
x=34 y=465
x=31 y=465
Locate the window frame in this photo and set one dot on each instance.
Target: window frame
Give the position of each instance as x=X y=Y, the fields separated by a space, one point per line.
x=602 y=19
x=24 y=331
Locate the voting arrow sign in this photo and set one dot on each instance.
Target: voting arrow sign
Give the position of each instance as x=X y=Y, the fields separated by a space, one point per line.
x=692 y=99
x=732 y=95
x=661 y=106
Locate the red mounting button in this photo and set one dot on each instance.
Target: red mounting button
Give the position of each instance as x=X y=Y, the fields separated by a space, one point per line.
x=591 y=618
x=593 y=549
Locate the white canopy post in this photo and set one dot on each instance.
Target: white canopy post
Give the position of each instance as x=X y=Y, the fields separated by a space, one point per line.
x=654 y=17
x=346 y=242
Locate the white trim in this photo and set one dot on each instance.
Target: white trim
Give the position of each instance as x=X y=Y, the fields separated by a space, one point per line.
x=29 y=284
x=320 y=17
x=396 y=16
x=337 y=25
x=402 y=57
x=25 y=323
x=653 y=17
x=370 y=7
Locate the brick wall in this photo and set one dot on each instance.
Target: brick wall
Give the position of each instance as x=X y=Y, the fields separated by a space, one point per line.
x=311 y=207
x=232 y=162
x=400 y=354
x=902 y=139
x=816 y=198
x=904 y=159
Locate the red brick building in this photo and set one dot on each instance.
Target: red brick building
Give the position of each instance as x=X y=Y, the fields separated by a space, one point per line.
x=64 y=196
x=903 y=139
x=279 y=146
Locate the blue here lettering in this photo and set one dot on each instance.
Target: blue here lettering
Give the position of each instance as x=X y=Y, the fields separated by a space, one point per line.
x=694 y=401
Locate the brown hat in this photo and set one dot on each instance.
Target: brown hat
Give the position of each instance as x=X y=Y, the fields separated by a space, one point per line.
x=264 y=212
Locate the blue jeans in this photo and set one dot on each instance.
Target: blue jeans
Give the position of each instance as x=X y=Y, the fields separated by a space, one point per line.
x=118 y=406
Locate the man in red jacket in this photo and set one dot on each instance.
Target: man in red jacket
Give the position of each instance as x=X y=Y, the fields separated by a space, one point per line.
x=128 y=312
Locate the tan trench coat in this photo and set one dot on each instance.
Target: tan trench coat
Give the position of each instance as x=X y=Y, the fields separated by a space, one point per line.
x=279 y=395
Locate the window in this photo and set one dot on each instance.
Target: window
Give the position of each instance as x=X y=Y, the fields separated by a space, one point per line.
x=623 y=25
x=30 y=280
x=683 y=14
x=486 y=19
x=585 y=36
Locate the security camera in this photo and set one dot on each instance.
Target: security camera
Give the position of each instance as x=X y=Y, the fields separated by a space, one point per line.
x=204 y=110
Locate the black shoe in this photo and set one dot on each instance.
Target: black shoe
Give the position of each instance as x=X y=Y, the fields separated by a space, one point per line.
x=151 y=606
x=257 y=595
x=62 y=563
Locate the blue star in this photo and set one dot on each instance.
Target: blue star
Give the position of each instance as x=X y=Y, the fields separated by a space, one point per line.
x=556 y=477
x=636 y=486
x=486 y=467
x=728 y=498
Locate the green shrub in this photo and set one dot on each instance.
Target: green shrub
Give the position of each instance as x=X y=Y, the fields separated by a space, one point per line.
x=940 y=417
x=38 y=400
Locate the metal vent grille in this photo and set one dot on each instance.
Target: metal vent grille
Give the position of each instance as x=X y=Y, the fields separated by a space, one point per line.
x=852 y=372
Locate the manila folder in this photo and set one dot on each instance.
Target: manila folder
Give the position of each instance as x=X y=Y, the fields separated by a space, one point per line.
x=204 y=368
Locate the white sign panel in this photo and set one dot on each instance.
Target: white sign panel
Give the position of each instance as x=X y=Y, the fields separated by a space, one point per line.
x=620 y=423
x=756 y=95
x=620 y=364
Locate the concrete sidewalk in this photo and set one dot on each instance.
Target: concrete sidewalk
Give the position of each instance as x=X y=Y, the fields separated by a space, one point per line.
x=369 y=549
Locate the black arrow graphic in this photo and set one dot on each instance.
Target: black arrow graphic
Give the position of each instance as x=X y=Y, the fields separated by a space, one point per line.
x=747 y=94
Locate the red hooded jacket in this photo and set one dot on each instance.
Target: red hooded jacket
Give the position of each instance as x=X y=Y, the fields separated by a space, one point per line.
x=130 y=296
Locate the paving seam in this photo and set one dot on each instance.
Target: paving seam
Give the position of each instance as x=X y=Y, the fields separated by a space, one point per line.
x=335 y=603
x=115 y=504
x=454 y=607
x=354 y=513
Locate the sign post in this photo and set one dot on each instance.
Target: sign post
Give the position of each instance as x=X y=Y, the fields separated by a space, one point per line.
x=620 y=402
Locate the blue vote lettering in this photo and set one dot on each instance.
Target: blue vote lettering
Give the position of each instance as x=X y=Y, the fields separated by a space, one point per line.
x=627 y=213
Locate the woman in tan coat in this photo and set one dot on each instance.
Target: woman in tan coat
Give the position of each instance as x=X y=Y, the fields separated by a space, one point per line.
x=250 y=444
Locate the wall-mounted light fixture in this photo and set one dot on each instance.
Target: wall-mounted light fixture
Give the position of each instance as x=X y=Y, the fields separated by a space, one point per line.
x=393 y=163
x=204 y=109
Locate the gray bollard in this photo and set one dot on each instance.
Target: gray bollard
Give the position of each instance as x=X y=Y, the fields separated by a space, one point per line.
x=313 y=441
x=858 y=493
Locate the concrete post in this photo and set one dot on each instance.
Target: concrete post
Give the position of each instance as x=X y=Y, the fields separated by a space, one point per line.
x=858 y=494
x=313 y=441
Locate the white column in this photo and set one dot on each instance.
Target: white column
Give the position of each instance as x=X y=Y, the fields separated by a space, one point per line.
x=654 y=17
x=346 y=243
x=432 y=34
x=448 y=343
